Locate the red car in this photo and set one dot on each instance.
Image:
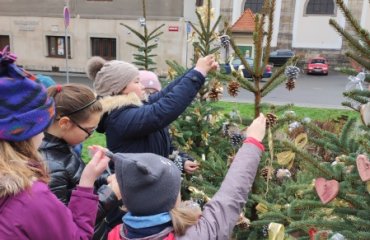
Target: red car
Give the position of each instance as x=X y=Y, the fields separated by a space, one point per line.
x=318 y=65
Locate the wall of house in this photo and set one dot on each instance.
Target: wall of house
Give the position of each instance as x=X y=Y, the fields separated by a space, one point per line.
x=28 y=33
x=28 y=39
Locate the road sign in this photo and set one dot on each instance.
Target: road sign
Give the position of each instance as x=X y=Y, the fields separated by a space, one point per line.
x=66 y=16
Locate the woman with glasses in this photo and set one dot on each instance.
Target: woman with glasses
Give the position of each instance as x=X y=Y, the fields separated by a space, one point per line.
x=77 y=114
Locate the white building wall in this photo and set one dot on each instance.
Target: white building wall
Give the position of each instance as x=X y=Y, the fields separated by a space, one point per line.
x=365 y=17
x=314 y=31
x=28 y=40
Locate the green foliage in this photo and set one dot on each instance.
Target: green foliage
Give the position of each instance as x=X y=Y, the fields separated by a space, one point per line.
x=144 y=58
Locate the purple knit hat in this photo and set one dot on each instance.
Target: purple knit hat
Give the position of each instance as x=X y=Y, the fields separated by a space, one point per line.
x=25 y=109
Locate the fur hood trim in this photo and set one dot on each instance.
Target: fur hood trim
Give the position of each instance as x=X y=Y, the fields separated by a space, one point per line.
x=111 y=103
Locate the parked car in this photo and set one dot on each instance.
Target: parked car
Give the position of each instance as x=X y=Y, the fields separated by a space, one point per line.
x=280 y=57
x=236 y=63
x=318 y=65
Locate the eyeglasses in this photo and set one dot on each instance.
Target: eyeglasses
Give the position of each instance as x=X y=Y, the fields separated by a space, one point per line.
x=89 y=133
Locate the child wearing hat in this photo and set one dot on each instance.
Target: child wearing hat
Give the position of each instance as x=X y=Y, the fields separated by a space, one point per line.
x=132 y=123
x=150 y=188
x=28 y=209
x=77 y=115
x=152 y=85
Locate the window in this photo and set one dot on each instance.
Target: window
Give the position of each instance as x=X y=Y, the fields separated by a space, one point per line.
x=104 y=47
x=199 y=3
x=56 y=46
x=254 y=5
x=4 y=41
x=325 y=7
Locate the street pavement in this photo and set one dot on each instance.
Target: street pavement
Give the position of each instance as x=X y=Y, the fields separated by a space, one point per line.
x=310 y=91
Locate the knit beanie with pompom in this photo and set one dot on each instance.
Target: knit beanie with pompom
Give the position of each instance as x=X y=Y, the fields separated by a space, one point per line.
x=110 y=77
x=25 y=108
x=150 y=80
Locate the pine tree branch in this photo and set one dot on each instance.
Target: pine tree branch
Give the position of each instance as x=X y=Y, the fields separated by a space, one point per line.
x=278 y=74
x=362 y=33
x=309 y=159
x=363 y=61
x=240 y=56
x=138 y=34
x=269 y=32
x=155 y=30
x=350 y=38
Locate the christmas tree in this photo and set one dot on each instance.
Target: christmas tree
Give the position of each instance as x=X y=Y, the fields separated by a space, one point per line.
x=144 y=57
x=321 y=186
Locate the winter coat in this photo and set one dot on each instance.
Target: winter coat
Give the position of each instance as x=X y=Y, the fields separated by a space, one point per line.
x=221 y=213
x=132 y=126
x=65 y=169
x=36 y=213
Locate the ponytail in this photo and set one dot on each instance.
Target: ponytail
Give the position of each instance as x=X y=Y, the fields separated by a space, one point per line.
x=184 y=216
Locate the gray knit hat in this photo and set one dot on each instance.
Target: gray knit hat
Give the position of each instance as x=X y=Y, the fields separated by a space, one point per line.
x=149 y=183
x=110 y=77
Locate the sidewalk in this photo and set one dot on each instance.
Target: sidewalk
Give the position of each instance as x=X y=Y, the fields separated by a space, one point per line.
x=59 y=74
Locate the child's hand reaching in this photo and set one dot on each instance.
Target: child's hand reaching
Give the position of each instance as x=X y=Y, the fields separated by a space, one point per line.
x=190 y=167
x=206 y=64
x=94 y=169
x=257 y=129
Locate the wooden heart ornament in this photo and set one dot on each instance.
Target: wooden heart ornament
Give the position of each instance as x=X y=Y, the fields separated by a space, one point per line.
x=326 y=189
x=363 y=167
x=365 y=114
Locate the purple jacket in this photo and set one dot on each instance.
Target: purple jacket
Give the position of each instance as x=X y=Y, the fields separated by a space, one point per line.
x=37 y=214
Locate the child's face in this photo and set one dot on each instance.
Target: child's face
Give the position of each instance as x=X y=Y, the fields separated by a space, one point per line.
x=77 y=132
x=135 y=86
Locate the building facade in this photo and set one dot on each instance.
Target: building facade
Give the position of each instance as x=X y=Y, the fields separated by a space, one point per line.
x=35 y=29
x=303 y=25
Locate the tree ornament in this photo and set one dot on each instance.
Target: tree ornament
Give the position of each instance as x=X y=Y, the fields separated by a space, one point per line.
x=216 y=91
x=265 y=230
x=291 y=72
x=243 y=222
x=225 y=40
x=283 y=173
x=261 y=208
x=327 y=190
x=233 y=88
x=286 y=158
x=267 y=172
x=236 y=140
x=337 y=236
x=271 y=120
x=276 y=231
x=363 y=167
x=365 y=114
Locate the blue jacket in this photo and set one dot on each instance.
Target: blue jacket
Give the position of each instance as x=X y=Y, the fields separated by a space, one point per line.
x=132 y=126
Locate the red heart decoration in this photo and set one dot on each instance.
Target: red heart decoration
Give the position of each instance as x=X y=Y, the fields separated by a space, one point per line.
x=363 y=167
x=326 y=189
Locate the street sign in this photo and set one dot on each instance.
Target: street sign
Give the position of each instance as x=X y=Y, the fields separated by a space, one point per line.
x=173 y=28
x=66 y=16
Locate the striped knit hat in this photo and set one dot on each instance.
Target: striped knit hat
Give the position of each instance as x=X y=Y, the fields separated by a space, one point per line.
x=25 y=109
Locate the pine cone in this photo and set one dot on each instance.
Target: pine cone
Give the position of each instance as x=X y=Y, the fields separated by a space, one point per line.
x=267 y=172
x=233 y=88
x=236 y=139
x=290 y=84
x=271 y=120
x=216 y=91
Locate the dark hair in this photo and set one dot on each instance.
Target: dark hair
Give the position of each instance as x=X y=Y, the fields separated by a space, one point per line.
x=74 y=100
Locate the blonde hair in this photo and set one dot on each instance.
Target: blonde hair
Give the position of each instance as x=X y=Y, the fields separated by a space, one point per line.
x=20 y=165
x=184 y=216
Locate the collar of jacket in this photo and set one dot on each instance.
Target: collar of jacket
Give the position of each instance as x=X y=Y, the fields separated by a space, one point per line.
x=110 y=103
